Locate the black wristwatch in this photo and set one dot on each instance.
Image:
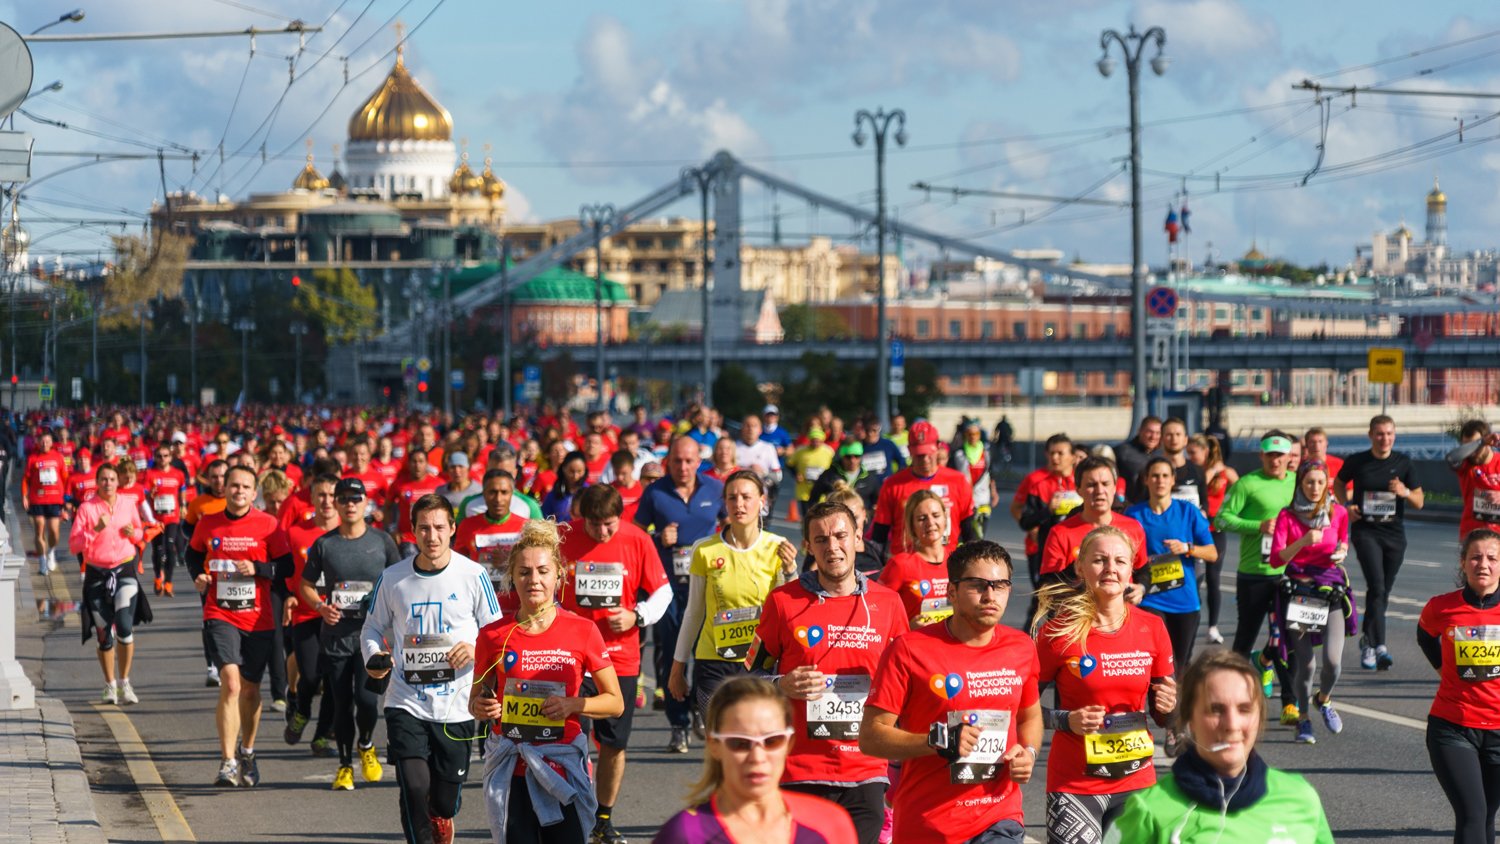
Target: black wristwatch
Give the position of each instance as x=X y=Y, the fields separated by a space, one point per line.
x=640 y=620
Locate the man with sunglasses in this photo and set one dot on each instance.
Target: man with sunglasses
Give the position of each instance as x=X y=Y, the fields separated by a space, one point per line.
x=820 y=638
x=957 y=702
x=342 y=568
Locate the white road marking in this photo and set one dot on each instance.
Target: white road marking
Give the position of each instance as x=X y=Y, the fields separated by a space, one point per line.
x=1382 y=716
x=159 y=803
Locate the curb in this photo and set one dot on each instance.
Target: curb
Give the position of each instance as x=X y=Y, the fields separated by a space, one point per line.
x=70 y=785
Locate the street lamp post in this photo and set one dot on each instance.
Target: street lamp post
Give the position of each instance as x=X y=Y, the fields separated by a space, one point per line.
x=70 y=17
x=705 y=177
x=598 y=216
x=244 y=326
x=144 y=312
x=1132 y=44
x=880 y=124
x=505 y=388
x=299 y=330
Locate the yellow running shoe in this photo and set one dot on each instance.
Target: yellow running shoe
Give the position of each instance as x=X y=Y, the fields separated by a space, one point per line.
x=369 y=765
x=1289 y=715
x=344 y=779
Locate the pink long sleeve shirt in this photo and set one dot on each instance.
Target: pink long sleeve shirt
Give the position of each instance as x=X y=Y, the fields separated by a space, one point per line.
x=109 y=547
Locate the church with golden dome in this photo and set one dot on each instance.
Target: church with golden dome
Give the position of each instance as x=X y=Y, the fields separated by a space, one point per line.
x=1398 y=253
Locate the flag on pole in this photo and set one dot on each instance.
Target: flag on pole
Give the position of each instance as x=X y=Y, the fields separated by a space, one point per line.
x=1171 y=224
x=1184 y=214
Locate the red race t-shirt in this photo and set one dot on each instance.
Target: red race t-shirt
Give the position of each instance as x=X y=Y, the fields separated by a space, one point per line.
x=80 y=486
x=1043 y=484
x=606 y=575
x=1479 y=486
x=631 y=496
x=526 y=668
x=243 y=601
x=388 y=470
x=1064 y=540
x=405 y=493
x=924 y=676
x=843 y=637
x=301 y=536
x=488 y=543
x=922 y=585
x=46 y=478
x=1468 y=692
x=164 y=493
x=950 y=485
x=1115 y=671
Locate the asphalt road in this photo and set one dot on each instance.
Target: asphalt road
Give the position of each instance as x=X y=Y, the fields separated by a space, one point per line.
x=1375 y=779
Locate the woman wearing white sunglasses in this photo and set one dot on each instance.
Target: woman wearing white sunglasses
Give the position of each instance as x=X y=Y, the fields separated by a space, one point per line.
x=739 y=797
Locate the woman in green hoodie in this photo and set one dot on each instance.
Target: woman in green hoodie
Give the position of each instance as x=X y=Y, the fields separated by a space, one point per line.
x=1219 y=789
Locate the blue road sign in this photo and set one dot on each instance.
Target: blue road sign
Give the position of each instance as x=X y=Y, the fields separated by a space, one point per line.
x=898 y=353
x=456 y=377
x=1161 y=302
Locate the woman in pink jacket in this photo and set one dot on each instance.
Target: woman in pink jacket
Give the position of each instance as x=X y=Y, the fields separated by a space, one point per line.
x=106 y=530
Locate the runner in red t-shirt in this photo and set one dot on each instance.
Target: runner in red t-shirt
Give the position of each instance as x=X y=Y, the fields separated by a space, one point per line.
x=362 y=466
x=622 y=463
x=303 y=634
x=925 y=472
x=486 y=538
x=823 y=634
x=1096 y=480
x=1478 y=477
x=42 y=493
x=920 y=576
x=1112 y=664
x=1045 y=497
x=233 y=556
x=529 y=685
x=612 y=564
x=414 y=483
x=958 y=702
x=165 y=485
x=80 y=482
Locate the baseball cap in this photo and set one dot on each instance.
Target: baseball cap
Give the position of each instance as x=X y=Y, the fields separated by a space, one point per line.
x=1457 y=456
x=179 y=437
x=770 y=409
x=922 y=439
x=349 y=488
x=816 y=434
x=458 y=458
x=852 y=448
x=1275 y=445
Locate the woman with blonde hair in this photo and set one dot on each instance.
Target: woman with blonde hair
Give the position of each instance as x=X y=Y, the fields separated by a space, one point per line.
x=1112 y=665
x=528 y=670
x=739 y=798
x=919 y=571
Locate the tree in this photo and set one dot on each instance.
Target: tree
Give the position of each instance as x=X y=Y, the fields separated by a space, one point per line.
x=803 y=322
x=336 y=299
x=147 y=267
x=736 y=393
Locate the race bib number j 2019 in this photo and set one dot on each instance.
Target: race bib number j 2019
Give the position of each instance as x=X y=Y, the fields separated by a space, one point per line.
x=733 y=630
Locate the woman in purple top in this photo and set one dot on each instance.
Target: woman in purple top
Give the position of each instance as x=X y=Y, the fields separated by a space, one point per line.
x=1311 y=539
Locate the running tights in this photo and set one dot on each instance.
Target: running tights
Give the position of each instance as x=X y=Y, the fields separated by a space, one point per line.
x=1255 y=596
x=165 y=551
x=423 y=797
x=1333 y=653
x=523 y=827
x=1182 y=630
x=1211 y=594
x=1467 y=764
x=353 y=705
x=1381 y=551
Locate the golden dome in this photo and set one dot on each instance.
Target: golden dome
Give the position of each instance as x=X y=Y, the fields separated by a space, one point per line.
x=1436 y=199
x=401 y=110
x=1402 y=232
x=492 y=186
x=310 y=179
x=464 y=180
x=1254 y=254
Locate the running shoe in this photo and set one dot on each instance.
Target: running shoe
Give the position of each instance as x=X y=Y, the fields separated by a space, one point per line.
x=213 y=677
x=166 y=587
x=229 y=774
x=698 y=725
x=1290 y=715
x=279 y=704
x=1383 y=659
x=111 y=695
x=295 y=724
x=888 y=828
x=605 y=833
x=1267 y=675
x=249 y=771
x=679 y=741
x=127 y=694
x=1305 y=733
x=1331 y=718
x=640 y=698
x=52 y=559
x=658 y=701
x=1214 y=636
x=442 y=829
x=1366 y=654
x=157 y=585
x=344 y=779
x=321 y=746
x=369 y=764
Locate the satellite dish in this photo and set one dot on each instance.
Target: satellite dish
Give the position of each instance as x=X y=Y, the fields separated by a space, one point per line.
x=15 y=70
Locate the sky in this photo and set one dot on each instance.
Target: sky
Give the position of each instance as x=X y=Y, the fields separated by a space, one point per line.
x=591 y=101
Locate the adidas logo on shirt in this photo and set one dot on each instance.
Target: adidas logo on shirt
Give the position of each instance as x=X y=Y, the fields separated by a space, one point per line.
x=453 y=596
x=821 y=731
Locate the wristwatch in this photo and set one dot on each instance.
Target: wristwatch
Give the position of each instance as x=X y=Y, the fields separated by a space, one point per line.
x=640 y=620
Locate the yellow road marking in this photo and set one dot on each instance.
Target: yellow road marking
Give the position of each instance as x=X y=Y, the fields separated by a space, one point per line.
x=164 y=811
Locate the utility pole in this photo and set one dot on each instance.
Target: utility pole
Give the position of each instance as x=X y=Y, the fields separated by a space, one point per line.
x=598 y=216
x=299 y=330
x=705 y=177
x=244 y=326
x=144 y=311
x=1132 y=44
x=447 y=337
x=880 y=124
x=506 y=398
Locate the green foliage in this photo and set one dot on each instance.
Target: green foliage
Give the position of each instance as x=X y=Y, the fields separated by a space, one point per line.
x=849 y=390
x=804 y=323
x=736 y=393
x=336 y=299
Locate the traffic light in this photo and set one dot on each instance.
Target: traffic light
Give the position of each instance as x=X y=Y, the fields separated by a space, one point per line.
x=296 y=281
x=421 y=386
x=14 y=380
x=385 y=391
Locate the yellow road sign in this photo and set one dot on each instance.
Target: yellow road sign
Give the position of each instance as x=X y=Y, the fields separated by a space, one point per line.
x=1387 y=366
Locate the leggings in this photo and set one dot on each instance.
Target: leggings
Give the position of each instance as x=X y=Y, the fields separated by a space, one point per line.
x=278 y=649
x=304 y=641
x=353 y=704
x=423 y=796
x=1255 y=595
x=1333 y=653
x=523 y=827
x=1182 y=629
x=1467 y=764
x=1381 y=552
x=1082 y=818
x=164 y=551
x=110 y=595
x=1211 y=571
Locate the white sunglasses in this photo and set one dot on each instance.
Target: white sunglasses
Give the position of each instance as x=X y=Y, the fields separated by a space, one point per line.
x=740 y=743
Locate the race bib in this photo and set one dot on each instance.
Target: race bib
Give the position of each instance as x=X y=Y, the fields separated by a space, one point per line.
x=493 y=549
x=931 y=611
x=348 y=596
x=1265 y=548
x=521 y=717
x=1306 y=611
x=705 y=453
x=1186 y=493
x=164 y=503
x=874 y=462
x=1485 y=510
x=836 y=713
x=599 y=585
x=682 y=560
x=234 y=592
x=1120 y=748
x=140 y=464
x=1067 y=502
x=983 y=764
x=1476 y=652
x=46 y=475
x=733 y=630
x=424 y=659
x=812 y=473
x=1167 y=572
x=1379 y=506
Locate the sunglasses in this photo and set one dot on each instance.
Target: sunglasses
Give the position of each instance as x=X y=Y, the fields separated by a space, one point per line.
x=350 y=499
x=739 y=743
x=980 y=584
